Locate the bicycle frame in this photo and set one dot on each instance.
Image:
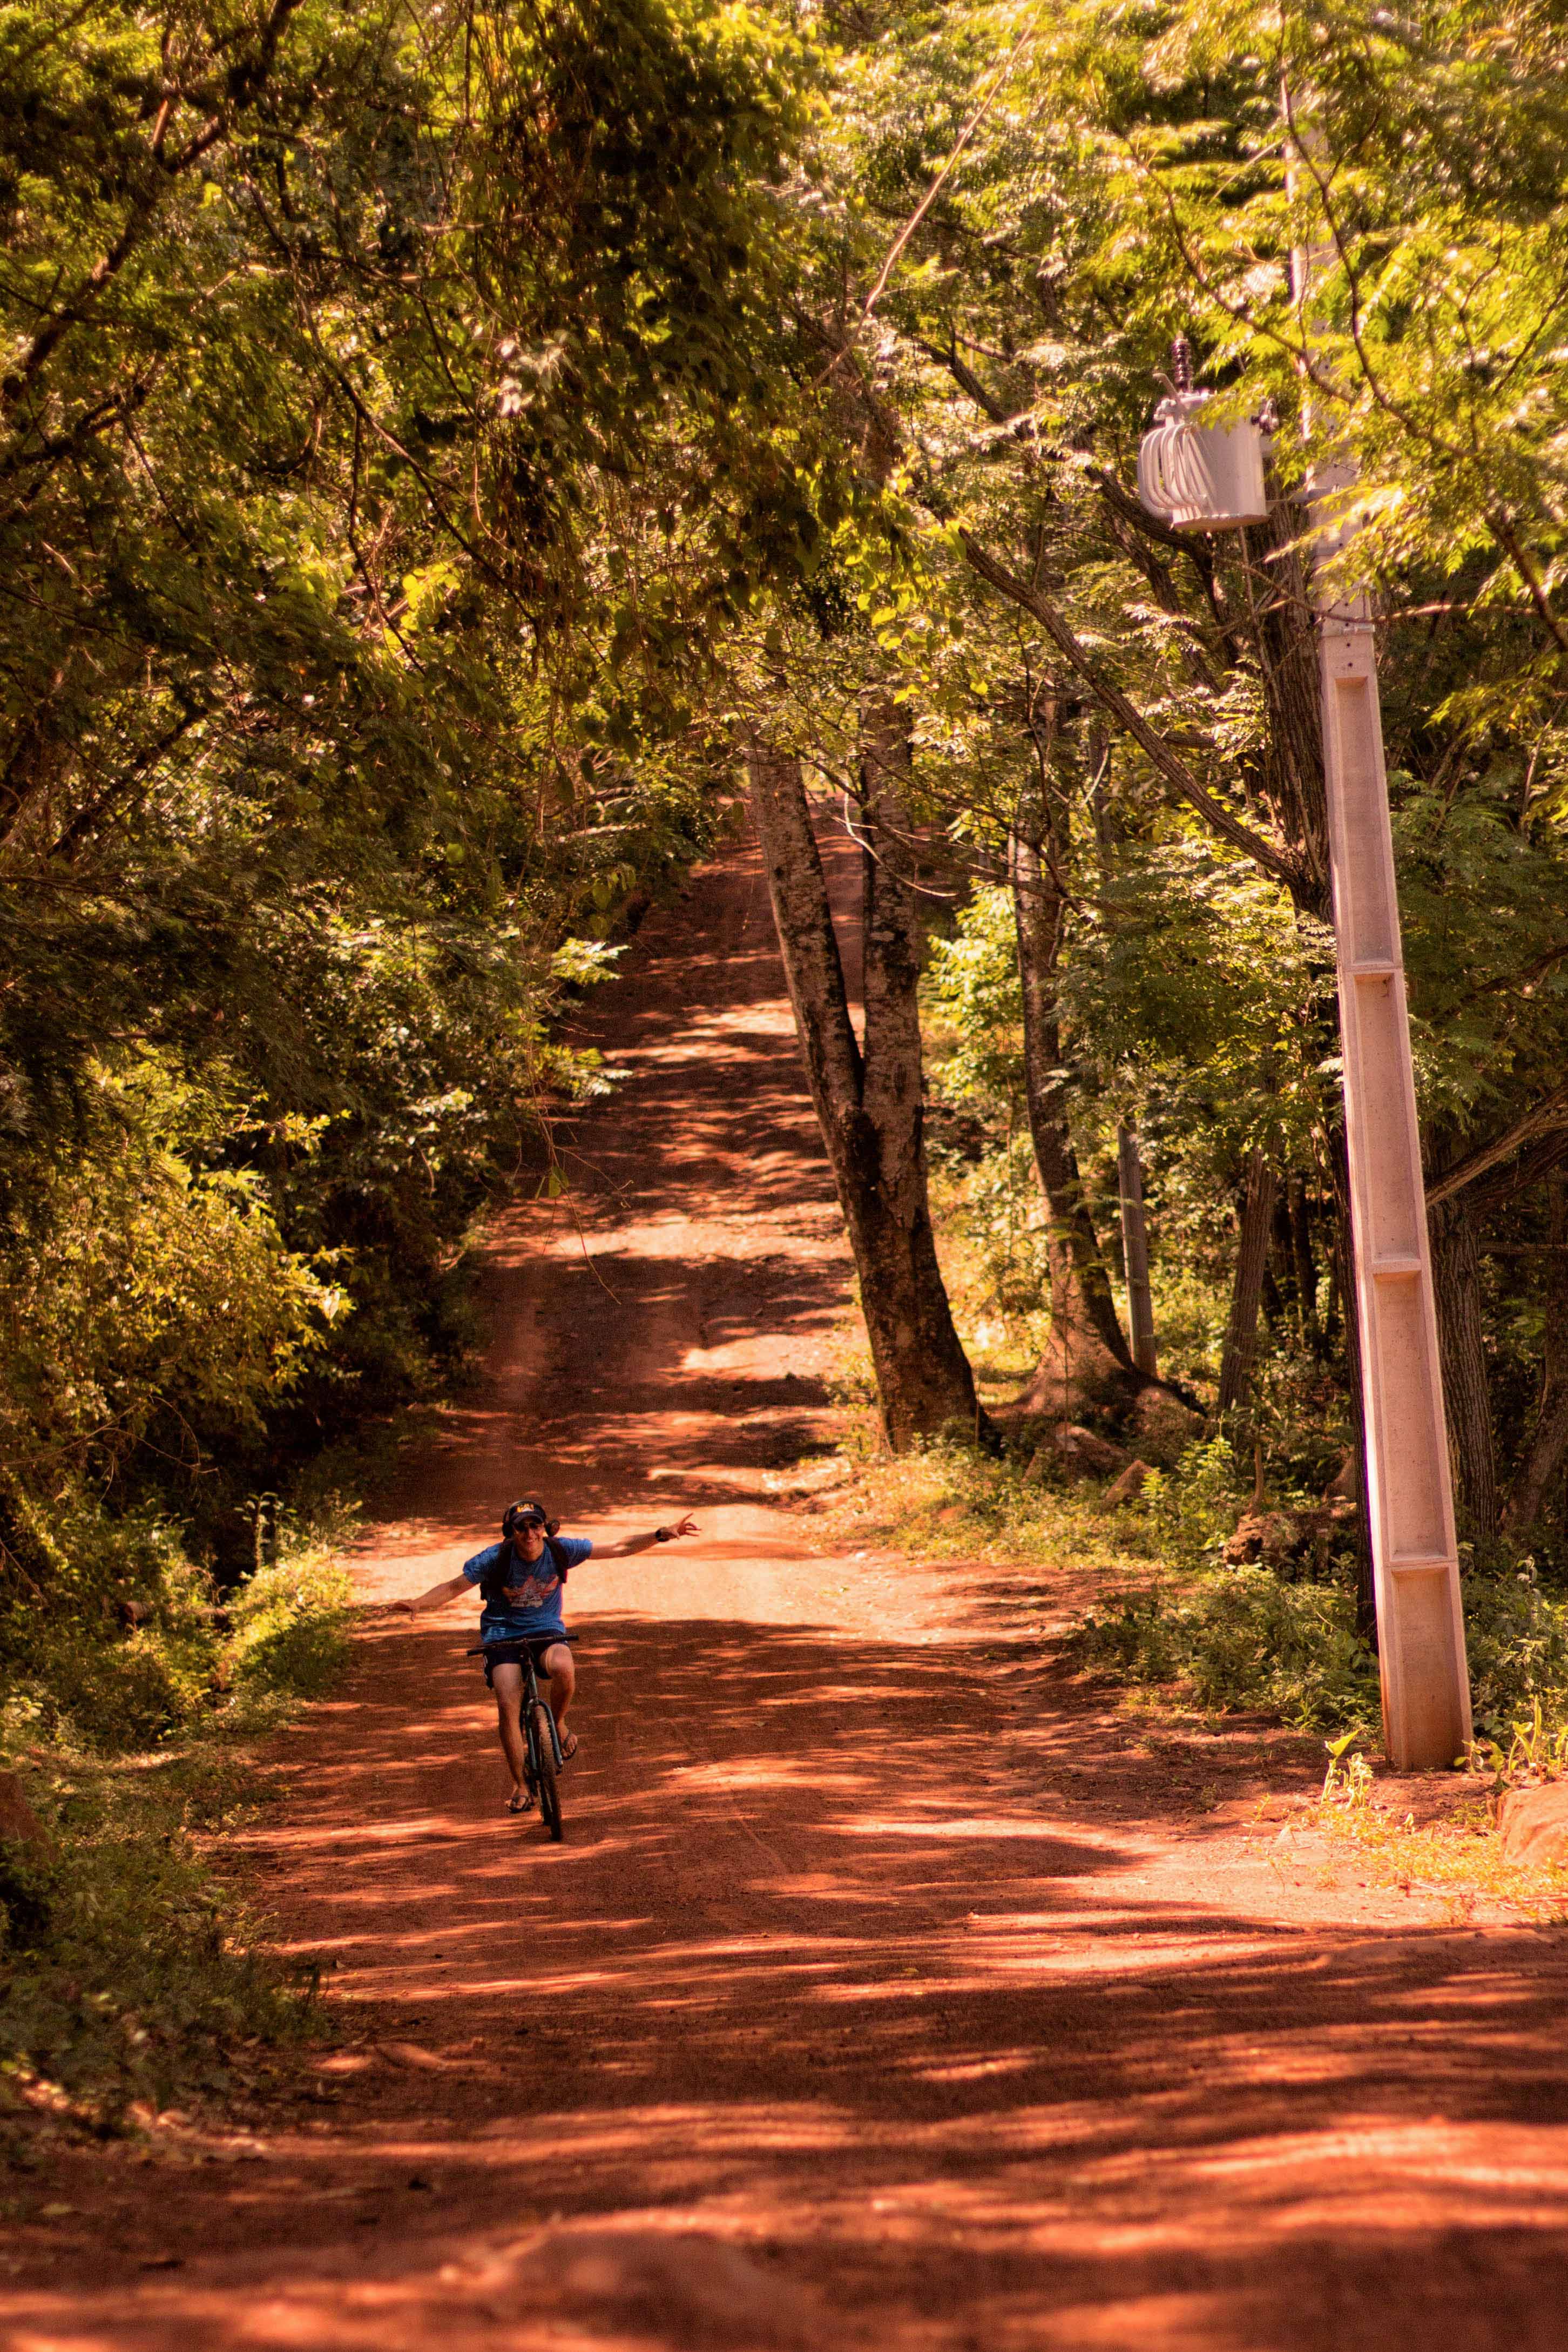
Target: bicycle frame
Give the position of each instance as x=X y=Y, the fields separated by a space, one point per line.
x=532 y=1698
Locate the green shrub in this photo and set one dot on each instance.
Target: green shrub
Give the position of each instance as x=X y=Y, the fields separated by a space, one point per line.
x=1517 y=1637
x=112 y=1647
x=128 y=1970
x=1245 y=1637
x=1193 y=1508
x=1241 y=1638
x=290 y=1632
x=117 y=1695
x=84 y=1677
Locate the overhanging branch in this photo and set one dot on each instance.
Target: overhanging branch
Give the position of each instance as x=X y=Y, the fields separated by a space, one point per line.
x=1549 y=1118
x=1162 y=758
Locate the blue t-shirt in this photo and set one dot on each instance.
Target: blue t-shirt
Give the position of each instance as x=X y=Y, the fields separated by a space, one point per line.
x=537 y=1609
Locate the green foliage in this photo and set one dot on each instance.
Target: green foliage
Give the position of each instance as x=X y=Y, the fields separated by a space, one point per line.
x=1241 y=1637
x=1195 y=1506
x=394 y=412
x=1531 y=1747
x=973 y=996
x=289 y=1639
x=131 y=1973
x=993 y=1232
x=124 y=1645
x=1249 y=1637
x=1516 y=1632
x=143 y=1295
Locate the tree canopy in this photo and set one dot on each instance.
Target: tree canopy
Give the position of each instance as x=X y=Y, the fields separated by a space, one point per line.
x=386 y=423
x=435 y=444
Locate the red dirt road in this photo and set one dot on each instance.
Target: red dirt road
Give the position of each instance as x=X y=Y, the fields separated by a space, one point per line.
x=891 y=1989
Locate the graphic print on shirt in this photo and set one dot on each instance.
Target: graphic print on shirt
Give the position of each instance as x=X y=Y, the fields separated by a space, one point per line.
x=533 y=1606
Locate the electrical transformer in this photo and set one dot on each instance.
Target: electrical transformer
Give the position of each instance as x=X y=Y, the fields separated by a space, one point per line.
x=1198 y=476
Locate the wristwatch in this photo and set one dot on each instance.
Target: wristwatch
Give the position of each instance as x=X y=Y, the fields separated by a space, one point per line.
x=664 y=1535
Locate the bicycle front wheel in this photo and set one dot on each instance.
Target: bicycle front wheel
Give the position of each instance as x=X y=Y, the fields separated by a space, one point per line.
x=549 y=1786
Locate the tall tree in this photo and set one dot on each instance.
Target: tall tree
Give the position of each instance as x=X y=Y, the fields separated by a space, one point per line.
x=1086 y=1361
x=867 y=1091
x=387 y=434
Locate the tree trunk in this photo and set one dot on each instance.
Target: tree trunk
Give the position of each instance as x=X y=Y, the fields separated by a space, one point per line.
x=1344 y=1278
x=1455 y=1281
x=1136 y=1252
x=1291 y=774
x=1300 y=1204
x=1281 y=1258
x=1549 y=1438
x=1548 y=1443
x=1240 y=1350
x=1086 y=1359
x=867 y=1102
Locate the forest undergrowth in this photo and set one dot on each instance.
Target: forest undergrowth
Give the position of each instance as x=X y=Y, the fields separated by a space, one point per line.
x=1157 y=1608
x=137 y=1993
x=1159 y=1616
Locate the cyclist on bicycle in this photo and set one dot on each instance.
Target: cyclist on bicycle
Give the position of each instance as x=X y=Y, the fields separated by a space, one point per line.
x=520 y=1581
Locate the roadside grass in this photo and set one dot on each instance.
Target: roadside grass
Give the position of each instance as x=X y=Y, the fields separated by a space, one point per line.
x=1156 y=1611
x=134 y=1974
x=950 y=1502
x=1460 y=1857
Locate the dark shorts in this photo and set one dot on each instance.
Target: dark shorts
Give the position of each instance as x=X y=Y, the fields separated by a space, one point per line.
x=512 y=1654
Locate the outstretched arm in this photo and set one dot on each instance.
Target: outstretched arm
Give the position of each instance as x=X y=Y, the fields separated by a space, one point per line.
x=633 y=1543
x=436 y=1598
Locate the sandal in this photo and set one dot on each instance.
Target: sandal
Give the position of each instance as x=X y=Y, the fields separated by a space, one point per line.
x=568 y=1746
x=520 y=1800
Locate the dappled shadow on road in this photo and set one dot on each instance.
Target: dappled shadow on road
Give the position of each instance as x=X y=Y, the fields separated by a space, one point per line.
x=711 y=1090
x=688 y=1409
x=954 y=2050
x=939 y=1996
x=829 y=1805
x=673 y=1316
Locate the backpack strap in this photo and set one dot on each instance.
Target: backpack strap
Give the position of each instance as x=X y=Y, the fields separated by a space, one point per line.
x=492 y=1584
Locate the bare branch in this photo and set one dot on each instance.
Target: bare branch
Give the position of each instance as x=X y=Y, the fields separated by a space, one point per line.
x=1549 y=1117
x=1030 y=34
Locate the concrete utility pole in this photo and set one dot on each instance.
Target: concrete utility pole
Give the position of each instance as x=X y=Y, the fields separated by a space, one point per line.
x=1415 y=1556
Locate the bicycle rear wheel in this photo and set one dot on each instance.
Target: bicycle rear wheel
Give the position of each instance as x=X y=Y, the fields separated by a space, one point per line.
x=549 y=1787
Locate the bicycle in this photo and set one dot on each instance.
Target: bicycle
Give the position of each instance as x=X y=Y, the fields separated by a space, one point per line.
x=542 y=1759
